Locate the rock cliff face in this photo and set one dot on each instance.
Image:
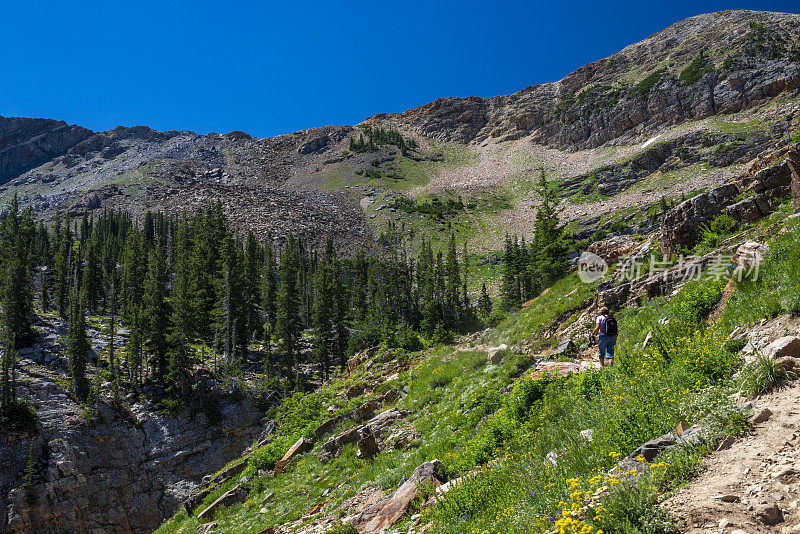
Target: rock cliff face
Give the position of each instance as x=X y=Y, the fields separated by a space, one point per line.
x=28 y=143
x=746 y=199
x=705 y=65
x=124 y=475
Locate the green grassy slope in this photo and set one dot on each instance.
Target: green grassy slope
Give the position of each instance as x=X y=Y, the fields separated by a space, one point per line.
x=485 y=421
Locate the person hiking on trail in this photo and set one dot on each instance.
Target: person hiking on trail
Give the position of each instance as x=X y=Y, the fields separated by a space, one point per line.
x=607 y=326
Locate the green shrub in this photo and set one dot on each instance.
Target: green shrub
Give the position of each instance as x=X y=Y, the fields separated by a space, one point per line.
x=714 y=233
x=695 y=300
x=299 y=414
x=643 y=87
x=265 y=457
x=402 y=336
x=695 y=69
x=526 y=392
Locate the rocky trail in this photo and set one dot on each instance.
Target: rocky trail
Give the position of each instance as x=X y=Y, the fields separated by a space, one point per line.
x=752 y=486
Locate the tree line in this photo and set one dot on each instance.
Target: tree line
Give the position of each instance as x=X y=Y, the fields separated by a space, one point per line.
x=182 y=286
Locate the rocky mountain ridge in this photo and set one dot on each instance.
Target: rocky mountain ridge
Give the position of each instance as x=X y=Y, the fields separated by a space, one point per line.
x=711 y=65
x=28 y=143
x=740 y=57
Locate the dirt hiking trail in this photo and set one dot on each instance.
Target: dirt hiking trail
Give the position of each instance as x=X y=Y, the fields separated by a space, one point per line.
x=754 y=485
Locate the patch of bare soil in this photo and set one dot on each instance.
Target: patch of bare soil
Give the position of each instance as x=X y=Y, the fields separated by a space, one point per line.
x=753 y=485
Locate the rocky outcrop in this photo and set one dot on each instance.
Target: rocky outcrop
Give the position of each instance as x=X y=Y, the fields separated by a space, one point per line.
x=125 y=474
x=613 y=248
x=28 y=143
x=712 y=149
x=300 y=446
x=387 y=512
x=376 y=427
x=591 y=106
x=746 y=199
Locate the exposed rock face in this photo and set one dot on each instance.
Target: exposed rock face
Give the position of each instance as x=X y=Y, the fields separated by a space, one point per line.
x=712 y=149
x=763 y=191
x=613 y=248
x=117 y=476
x=589 y=107
x=28 y=143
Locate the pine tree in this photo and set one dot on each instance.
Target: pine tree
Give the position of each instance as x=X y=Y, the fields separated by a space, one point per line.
x=183 y=284
x=92 y=279
x=509 y=282
x=209 y=230
x=340 y=311
x=288 y=325
x=77 y=344
x=465 y=294
x=269 y=289
x=134 y=347
x=156 y=313
x=321 y=318
x=484 y=302
x=549 y=256
x=230 y=308
x=112 y=330
x=18 y=282
x=133 y=272
x=252 y=290
x=452 y=284
x=44 y=296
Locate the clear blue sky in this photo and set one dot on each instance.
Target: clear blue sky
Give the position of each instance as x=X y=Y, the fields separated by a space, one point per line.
x=276 y=67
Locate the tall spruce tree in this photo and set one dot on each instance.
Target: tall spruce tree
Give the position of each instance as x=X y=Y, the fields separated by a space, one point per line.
x=269 y=289
x=549 y=256
x=252 y=289
x=288 y=324
x=156 y=313
x=322 y=314
x=77 y=343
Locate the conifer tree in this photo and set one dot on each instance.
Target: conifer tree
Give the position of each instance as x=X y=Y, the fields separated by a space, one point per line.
x=112 y=330
x=323 y=308
x=229 y=312
x=465 y=294
x=484 y=302
x=269 y=289
x=62 y=266
x=92 y=274
x=44 y=297
x=210 y=231
x=339 y=313
x=252 y=290
x=288 y=325
x=452 y=284
x=134 y=347
x=550 y=253
x=17 y=282
x=509 y=283
x=77 y=344
x=156 y=313
x=183 y=283
x=133 y=272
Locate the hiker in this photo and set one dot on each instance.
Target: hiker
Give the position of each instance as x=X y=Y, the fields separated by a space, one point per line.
x=606 y=324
